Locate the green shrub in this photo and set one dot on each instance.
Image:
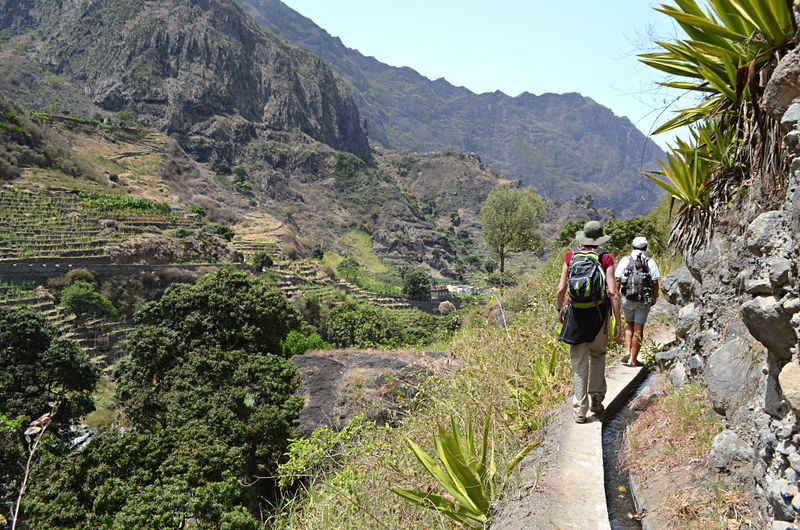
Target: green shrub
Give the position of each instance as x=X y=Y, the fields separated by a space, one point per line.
x=416 y=284
x=362 y=325
x=262 y=260
x=225 y=232
x=81 y=298
x=296 y=343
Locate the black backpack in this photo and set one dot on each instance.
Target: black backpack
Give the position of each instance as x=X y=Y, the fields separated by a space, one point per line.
x=637 y=284
x=586 y=280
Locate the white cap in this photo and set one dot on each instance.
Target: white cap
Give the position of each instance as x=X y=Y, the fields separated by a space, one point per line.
x=639 y=242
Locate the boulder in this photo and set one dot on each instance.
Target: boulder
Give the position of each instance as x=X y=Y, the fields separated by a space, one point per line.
x=727 y=448
x=731 y=375
x=783 y=87
x=687 y=316
x=789 y=380
x=706 y=259
x=780 y=272
x=770 y=324
x=679 y=287
x=761 y=232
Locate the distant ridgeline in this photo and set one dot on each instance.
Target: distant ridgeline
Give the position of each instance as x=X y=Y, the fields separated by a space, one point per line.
x=565 y=145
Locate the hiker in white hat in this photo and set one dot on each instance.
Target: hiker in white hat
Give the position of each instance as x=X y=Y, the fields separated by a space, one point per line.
x=637 y=279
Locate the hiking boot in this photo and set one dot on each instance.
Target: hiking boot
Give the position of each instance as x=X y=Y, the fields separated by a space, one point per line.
x=580 y=419
x=597 y=405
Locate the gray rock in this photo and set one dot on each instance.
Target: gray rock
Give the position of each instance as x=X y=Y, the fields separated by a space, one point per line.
x=679 y=287
x=794 y=461
x=761 y=232
x=731 y=375
x=782 y=525
x=706 y=258
x=780 y=272
x=687 y=316
x=774 y=404
x=757 y=286
x=779 y=495
x=695 y=362
x=665 y=358
x=677 y=375
x=789 y=380
x=791 y=475
x=726 y=448
x=767 y=321
x=790 y=118
x=783 y=88
x=792 y=305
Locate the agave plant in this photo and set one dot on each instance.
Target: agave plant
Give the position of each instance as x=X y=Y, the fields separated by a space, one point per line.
x=467 y=472
x=731 y=50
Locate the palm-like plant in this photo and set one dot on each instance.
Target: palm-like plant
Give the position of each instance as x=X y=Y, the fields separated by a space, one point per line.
x=731 y=50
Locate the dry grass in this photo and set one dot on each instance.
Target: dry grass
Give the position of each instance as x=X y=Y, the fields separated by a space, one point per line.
x=666 y=449
x=488 y=361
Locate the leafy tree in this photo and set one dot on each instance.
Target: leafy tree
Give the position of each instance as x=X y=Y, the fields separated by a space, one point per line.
x=262 y=260
x=126 y=117
x=205 y=355
x=348 y=268
x=416 y=284
x=318 y=252
x=363 y=325
x=143 y=480
x=81 y=298
x=37 y=366
x=229 y=309
x=197 y=210
x=622 y=232
x=223 y=231
x=511 y=219
x=567 y=234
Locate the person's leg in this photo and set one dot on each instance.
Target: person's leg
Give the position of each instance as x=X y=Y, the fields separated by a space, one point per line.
x=639 y=318
x=628 y=330
x=628 y=338
x=579 y=358
x=597 y=370
x=636 y=343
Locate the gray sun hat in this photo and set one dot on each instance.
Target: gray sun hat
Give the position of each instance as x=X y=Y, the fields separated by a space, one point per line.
x=592 y=234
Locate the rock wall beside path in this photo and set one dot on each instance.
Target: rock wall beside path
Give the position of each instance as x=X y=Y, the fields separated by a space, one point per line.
x=738 y=325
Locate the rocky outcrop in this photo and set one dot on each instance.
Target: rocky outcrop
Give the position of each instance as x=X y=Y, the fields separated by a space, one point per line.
x=563 y=144
x=201 y=70
x=738 y=329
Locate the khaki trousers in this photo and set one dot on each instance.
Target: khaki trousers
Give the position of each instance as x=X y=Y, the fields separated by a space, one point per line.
x=589 y=371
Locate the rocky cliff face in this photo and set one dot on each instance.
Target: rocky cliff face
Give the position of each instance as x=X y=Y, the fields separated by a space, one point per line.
x=738 y=329
x=199 y=69
x=564 y=144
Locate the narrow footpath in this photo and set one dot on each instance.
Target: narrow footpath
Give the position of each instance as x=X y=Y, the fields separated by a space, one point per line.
x=562 y=481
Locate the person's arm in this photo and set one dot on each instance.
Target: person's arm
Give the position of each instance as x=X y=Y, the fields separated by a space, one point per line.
x=613 y=295
x=655 y=291
x=562 y=287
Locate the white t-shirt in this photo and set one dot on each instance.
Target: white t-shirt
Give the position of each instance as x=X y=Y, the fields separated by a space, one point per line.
x=622 y=266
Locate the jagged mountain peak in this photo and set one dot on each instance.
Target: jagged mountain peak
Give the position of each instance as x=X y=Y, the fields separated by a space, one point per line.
x=564 y=144
x=199 y=69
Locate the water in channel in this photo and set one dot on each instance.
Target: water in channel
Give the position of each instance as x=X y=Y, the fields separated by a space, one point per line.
x=622 y=512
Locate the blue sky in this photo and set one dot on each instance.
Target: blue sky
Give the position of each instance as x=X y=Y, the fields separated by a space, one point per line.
x=516 y=46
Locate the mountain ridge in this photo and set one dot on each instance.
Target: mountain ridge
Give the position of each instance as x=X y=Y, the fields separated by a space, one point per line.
x=555 y=142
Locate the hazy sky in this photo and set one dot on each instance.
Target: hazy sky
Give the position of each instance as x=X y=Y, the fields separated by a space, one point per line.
x=515 y=46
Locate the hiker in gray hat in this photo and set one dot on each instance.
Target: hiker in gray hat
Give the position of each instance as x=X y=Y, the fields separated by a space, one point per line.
x=587 y=286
